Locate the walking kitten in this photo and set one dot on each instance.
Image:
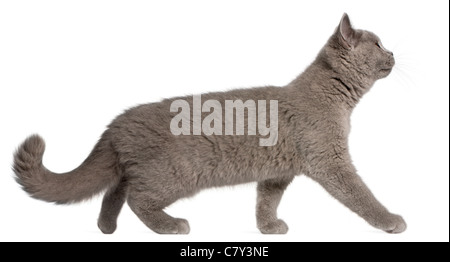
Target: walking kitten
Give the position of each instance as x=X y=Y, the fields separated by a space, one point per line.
x=139 y=160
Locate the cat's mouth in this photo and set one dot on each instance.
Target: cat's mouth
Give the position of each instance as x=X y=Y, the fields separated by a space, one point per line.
x=386 y=70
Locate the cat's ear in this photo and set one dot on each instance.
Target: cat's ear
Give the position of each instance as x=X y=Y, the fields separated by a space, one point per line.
x=346 y=34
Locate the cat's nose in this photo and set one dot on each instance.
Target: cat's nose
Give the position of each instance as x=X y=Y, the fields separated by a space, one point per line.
x=391 y=53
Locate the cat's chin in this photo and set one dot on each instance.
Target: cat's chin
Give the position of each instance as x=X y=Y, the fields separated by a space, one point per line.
x=384 y=72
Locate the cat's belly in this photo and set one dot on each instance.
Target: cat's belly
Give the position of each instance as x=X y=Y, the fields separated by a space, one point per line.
x=160 y=160
x=221 y=163
x=233 y=176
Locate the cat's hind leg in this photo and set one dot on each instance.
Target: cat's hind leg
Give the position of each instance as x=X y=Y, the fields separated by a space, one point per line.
x=112 y=204
x=269 y=196
x=150 y=211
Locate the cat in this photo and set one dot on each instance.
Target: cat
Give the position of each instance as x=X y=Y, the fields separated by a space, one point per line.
x=139 y=160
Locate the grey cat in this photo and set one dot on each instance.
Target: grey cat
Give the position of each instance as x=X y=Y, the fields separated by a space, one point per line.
x=139 y=160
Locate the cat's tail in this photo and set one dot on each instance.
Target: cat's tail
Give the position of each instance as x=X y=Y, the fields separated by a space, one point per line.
x=97 y=173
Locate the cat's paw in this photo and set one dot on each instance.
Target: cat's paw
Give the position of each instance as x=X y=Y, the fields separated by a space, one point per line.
x=173 y=226
x=391 y=223
x=274 y=227
x=183 y=226
x=107 y=227
x=396 y=225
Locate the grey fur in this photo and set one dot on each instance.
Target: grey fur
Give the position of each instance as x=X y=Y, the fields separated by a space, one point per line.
x=139 y=160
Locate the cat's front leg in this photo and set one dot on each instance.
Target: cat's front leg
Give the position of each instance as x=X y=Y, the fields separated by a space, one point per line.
x=269 y=196
x=340 y=179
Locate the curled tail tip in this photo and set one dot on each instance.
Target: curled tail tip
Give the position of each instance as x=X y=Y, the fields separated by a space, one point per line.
x=29 y=154
x=28 y=162
x=34 y=144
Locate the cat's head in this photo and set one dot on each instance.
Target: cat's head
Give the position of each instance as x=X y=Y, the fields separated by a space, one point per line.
x=358 y=52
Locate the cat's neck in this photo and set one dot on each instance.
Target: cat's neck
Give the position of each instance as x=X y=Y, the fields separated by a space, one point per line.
x=345 y=87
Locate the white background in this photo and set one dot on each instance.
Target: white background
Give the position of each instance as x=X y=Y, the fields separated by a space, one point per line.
x=67 y=68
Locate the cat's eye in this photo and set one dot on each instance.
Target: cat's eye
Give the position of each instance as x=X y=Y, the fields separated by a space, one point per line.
x=378 y=45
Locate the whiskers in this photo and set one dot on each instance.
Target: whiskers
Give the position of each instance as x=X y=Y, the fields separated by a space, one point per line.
x=406 y=70
x=404 y=75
